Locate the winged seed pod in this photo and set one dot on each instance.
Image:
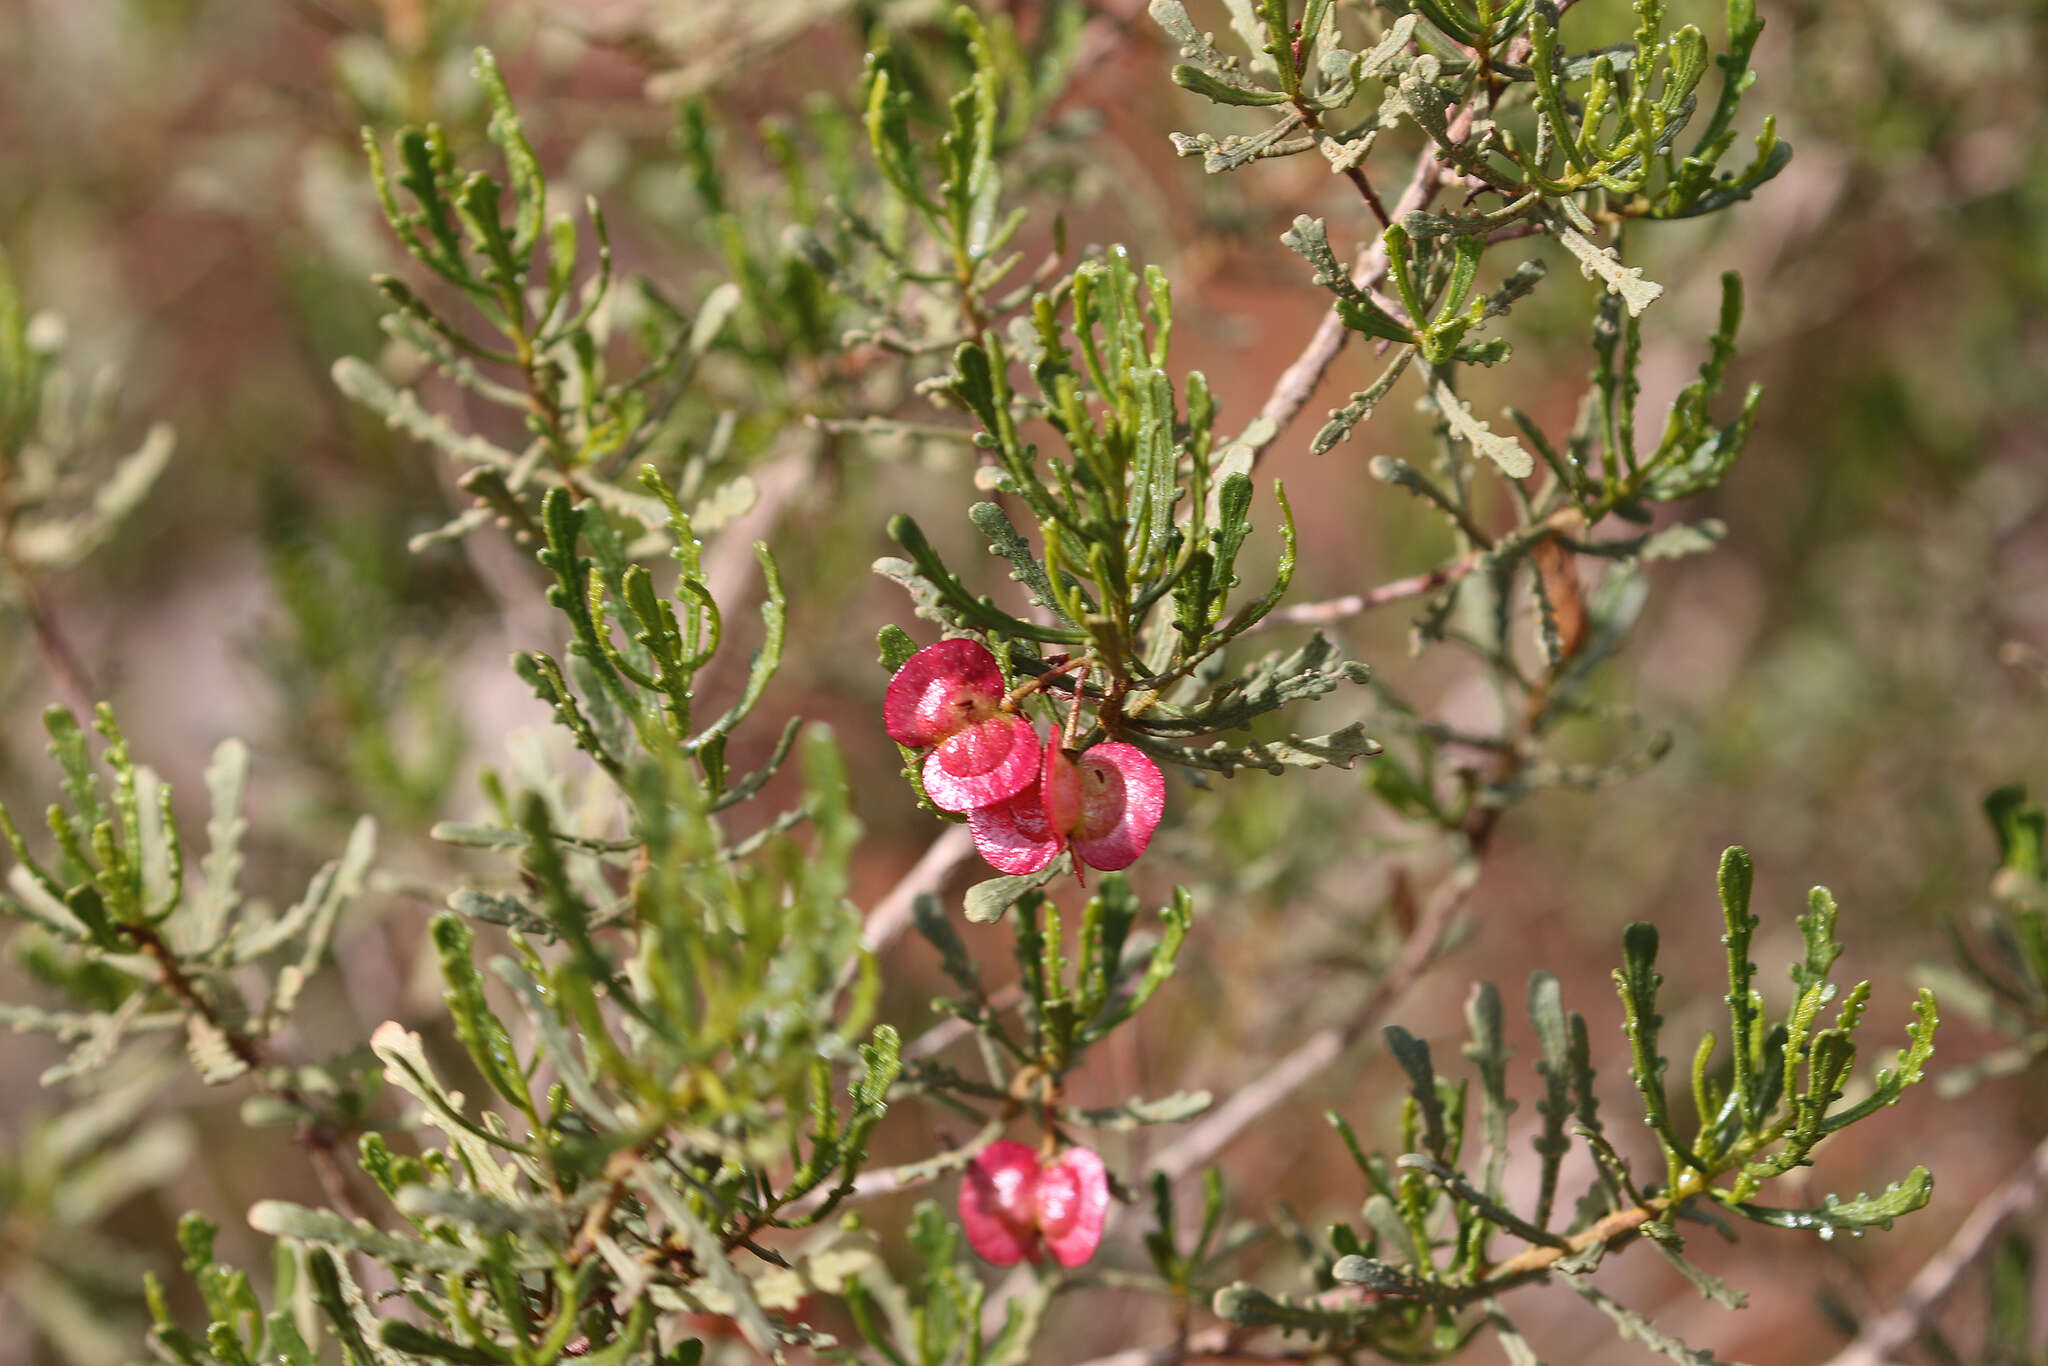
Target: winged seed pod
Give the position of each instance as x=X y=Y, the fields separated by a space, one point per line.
x=1017 y=1206
x=1103 y=803
x=948 y=698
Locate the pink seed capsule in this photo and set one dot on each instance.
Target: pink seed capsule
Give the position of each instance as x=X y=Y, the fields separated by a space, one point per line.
x=948 y=698
x=1017 y=1207
x=1104 y=803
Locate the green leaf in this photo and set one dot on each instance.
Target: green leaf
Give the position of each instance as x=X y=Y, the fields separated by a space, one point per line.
x=1489 y=1054
x=1248 y=1306
x=897 y=647
x=1907 y=1070
x=1025 y=568
x=1554 y=1039
x=1339 y=747
x=1413 y=1055
x=339 y=1299
x=401 y=1336
x=1836 y=1215
x=1504 y=451
x=481 y=1031
x=539 y=1221
x=282 y=1219
x=529 y=186
x=1227 y=153
x=1633 y=1325
x=2021 y=829
x=1384 y=1278
x=1604 y=264
x=715 y=1264
x=1177 y=1108
x=1638 y=981
x=1215 y=88
x=987 y=901
x=1817 y=929
x=1735 y=877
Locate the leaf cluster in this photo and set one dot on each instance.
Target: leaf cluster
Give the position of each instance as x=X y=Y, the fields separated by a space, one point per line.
x=1551 y=142
x=1069 y=996
x=112 y=924
x=936 y=1319
x=1598 y=130
x=669 y=1070
x=60 y=498
x=548 y=354
x=649 y=1106
x=1999 y=975
x=1413 y=1279
x=1141 y=526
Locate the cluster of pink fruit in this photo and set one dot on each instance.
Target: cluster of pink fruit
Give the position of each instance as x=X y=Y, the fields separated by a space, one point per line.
x=1025 y=802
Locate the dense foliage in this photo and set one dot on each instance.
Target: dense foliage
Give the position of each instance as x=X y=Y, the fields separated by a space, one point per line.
x=660 y=1112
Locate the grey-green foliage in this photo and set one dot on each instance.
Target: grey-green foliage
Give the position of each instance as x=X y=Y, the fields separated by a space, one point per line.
x=1191 y=1268
x=696 y=1098
x=1118 y=960
x=107 y=918
x=936 y=1318
x=1140 y=528
x=1421 y=1274
x=670 y=1068
x=551 y=349
x=659 y=1077
x=1427 y=65
x=65 y=489
x=1071 y=994
x=857 y=271
x=1608 y=122
x=1999 y=976
x=1570 y=145
x=63 y=492
x=72 y=1162
x=675 y=1053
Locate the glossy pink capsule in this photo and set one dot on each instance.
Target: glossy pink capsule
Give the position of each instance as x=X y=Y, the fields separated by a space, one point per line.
x=1017 y=1207
x=948 y=698
x=1103 y=803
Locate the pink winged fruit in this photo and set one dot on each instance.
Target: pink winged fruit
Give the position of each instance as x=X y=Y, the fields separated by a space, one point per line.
x=948 y=698
x=1017 y=1206
x=1104 y=803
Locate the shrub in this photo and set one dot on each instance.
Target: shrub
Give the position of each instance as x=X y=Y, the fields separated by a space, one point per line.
x=647 y=1120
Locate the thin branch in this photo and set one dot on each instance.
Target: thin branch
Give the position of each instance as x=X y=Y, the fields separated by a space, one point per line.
x=954 y=1028
x=67 y=669
x=1203 y=1140
x=1353 y=604
x=891 y=915
x=319 y=1139
x=1884 y=1337
x=1106 y=35
x=1225 y=1342
x=1353 y=172
x=1299 y=381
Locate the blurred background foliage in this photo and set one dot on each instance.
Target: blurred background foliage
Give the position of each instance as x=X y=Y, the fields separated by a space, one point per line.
x=1843 y=679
